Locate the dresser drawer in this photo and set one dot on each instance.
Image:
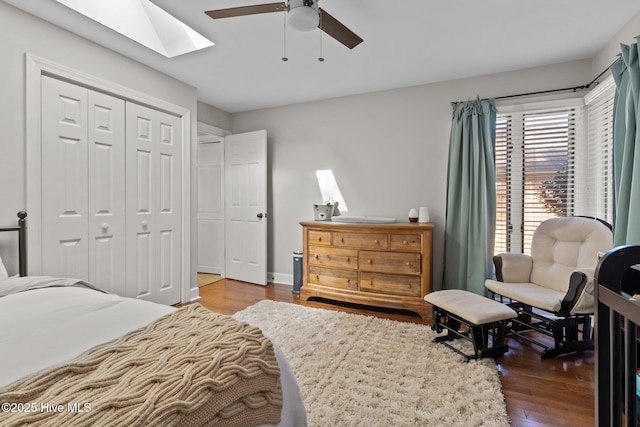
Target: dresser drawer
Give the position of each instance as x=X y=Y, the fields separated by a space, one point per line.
x=333 y=257
x=319 y=237
x=360 y=240
x=409 y=242
x=386 y=265
x=389 y=262
x=334 y=278
x=391 y=284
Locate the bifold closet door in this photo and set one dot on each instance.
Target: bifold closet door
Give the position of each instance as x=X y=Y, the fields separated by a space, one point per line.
x=83 y=216
x=65 y=205
x=107 y=219
x=153 y=204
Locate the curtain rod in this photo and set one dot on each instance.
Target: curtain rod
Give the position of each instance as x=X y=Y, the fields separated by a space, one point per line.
x=542 y=92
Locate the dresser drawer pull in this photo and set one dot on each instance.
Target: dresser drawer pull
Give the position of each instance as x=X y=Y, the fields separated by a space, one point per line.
x=405 y=242
x=348 y=259
x=369 y=261
x=317 y=278
x=376 y=241
x=319 y=238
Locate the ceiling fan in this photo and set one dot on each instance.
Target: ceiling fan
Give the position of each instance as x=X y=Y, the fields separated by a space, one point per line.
x=302 y=15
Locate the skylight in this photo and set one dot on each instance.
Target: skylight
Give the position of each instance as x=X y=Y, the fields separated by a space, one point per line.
x=143 y=22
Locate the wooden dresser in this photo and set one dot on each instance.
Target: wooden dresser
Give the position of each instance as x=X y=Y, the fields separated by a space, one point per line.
x=385 y=265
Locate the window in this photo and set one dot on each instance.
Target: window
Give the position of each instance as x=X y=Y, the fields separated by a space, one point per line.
x=598 y=181
x=535 y=170
x=552 y=159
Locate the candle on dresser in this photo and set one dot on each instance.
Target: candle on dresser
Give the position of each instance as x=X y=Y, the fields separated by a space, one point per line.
x=423 y=215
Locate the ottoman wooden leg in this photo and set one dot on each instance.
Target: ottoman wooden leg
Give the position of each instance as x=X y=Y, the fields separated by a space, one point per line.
x=484 y=320
x=481 y=340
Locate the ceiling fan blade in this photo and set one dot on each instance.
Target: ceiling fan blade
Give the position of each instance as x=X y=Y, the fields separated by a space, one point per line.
x=247 y=10
x=337 y=30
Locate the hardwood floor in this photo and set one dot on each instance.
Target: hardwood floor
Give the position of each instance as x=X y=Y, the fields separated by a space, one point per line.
x=555 y=392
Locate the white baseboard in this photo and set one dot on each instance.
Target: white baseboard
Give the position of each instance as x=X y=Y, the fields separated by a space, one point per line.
x=281 y=279
x=209 y=270
x=194 y=295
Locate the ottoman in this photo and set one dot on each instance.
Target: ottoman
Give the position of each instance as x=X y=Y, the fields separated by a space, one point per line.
x=484 y=318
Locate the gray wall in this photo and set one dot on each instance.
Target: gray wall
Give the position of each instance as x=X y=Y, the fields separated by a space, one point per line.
x=213 y=116
x=388 y=151
x=610 y=51
x=22 y=33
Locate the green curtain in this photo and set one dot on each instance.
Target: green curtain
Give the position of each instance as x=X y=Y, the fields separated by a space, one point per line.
x=626 y=148
x=471 y=196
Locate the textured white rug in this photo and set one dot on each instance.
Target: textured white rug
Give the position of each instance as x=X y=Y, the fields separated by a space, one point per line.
x=358 y=370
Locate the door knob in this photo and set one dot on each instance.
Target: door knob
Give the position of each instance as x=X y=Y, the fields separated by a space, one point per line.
x=104 y=227
x=144 y=224
x=260 y=215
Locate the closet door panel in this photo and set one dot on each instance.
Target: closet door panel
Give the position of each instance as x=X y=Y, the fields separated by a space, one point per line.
x=141 y=173
x=106 y=192
x=167 y=257
x=64 y=183
x=143 y=282
x=144 y=182
x=169 y=217
x=167 y=179
x=154 y=203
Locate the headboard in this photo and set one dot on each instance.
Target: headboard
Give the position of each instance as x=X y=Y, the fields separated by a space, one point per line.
x=21 y=228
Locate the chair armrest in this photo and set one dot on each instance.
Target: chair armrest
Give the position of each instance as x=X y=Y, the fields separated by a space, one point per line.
x=579 y=298
x=513 y=267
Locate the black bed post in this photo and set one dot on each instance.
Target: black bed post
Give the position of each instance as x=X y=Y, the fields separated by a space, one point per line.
x=22 y=243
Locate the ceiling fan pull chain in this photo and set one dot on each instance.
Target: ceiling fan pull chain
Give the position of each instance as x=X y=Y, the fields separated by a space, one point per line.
x=284 y=39
x=320 y=58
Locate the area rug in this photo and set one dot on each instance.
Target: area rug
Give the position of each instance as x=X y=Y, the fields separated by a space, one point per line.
x=356 y=370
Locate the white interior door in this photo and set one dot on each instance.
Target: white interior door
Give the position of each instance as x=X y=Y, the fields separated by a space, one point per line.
x=246 y=207
x=107 y=226
x=153 y=204
x=83 y=219
x=210 y=211
x=64 y=180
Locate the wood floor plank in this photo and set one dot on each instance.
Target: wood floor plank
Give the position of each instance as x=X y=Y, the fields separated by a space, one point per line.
x=555 y=392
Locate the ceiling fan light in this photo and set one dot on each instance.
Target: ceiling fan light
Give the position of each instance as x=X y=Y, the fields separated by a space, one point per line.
x=303 y=18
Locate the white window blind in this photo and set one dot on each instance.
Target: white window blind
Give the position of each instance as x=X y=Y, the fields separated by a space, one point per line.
x=535 y=163
x=553 y=159
x=503 y=183
x=597 y=183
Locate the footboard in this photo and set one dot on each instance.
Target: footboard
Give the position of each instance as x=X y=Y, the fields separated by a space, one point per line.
x=616 y=337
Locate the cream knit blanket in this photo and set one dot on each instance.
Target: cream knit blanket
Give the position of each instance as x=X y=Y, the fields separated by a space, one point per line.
x=189 y=368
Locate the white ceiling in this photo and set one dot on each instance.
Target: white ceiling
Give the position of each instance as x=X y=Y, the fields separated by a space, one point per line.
x=406 y=42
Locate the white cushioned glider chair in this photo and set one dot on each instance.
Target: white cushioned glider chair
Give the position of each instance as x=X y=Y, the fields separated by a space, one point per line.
x=552 y=290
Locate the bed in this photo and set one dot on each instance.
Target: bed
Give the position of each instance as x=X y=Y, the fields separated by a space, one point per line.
x=73 y=354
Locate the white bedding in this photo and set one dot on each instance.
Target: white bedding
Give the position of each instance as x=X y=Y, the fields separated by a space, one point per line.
x=48 y=326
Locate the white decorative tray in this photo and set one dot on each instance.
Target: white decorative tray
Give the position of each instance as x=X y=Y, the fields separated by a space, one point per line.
x=364 y=219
